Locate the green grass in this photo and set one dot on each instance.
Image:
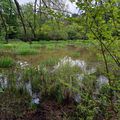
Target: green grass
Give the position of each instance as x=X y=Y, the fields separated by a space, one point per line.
x=50 y=62
x=75 y=54
x=6 y=62
x=58 y=84
x=36 y=46
x=41 y=44
x=26 y=51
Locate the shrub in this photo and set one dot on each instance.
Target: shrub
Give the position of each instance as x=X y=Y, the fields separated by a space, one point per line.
x=50 y=32
x=6 y=62
x=74 y=32
x=58 y=35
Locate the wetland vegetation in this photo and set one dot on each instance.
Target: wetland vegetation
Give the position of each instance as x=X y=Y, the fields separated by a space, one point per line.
x=58 y=65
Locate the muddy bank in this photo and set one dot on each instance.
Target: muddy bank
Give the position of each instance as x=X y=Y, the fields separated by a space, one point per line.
x=48 y=110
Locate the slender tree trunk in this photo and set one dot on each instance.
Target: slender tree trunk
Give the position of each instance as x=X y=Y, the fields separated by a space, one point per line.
x=35 y=11
x=21 y=18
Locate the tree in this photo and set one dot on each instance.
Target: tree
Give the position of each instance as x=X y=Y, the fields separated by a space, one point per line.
x=8 y=18
x=102 y=20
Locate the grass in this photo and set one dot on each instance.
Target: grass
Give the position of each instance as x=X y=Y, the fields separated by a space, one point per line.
x=6 y=62
x=39 y=44
x=50 y=62
x=75 y=54
x=42 y=50
x=60 y=84
x=26 y=51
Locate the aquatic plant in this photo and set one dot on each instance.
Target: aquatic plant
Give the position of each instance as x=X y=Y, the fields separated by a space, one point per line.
x=6 y=62
x=26 y=51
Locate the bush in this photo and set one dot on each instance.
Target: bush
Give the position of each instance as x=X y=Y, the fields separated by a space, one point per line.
x=58 y=35
x=74 y=32
x=50 y=32
x=6 y=62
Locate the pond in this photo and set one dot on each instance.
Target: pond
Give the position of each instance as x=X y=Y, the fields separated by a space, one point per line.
x=86 y=69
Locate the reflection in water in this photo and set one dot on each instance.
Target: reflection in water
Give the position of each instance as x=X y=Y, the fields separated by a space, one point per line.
x=85 y=70
x=79 y=63
x=80 y=76
x=3 y=81
x=35 y=96
x=22 y=64
x=77 y=98
x=28 y=87
x=72 y=63
x=102 y=80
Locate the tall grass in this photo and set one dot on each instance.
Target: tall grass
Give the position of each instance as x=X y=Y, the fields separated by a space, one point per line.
x=26 y=51
x=62 y=84
x=6 y=62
